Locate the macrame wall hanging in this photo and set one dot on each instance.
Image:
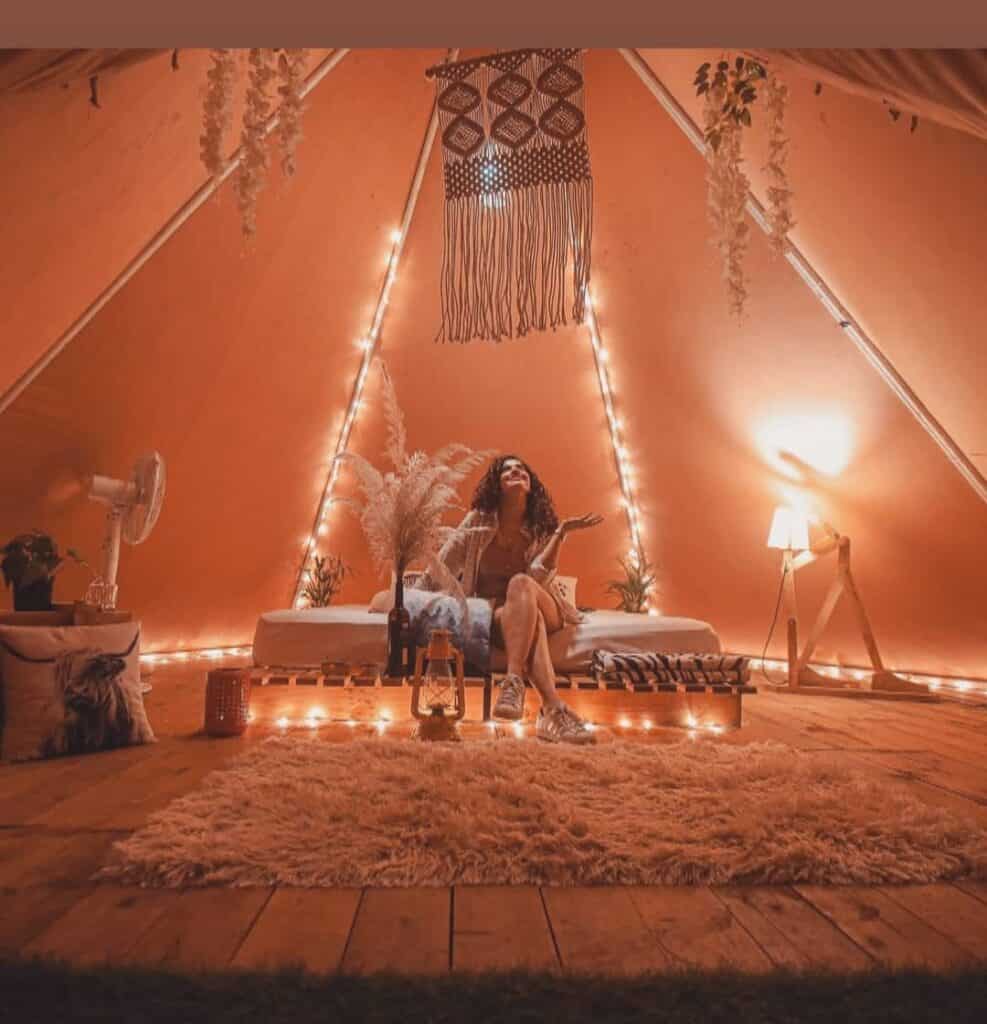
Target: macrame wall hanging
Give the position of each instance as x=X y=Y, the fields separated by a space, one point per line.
x=519 y=196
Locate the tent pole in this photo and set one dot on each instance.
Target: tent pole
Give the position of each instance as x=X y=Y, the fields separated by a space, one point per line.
x=822 y=291
x=373 y=336
x=168 y=229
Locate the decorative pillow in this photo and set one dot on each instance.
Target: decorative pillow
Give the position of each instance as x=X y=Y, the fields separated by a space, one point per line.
x=644 y=667
x=71 y=690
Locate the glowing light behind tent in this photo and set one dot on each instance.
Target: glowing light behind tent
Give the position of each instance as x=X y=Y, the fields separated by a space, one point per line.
x=621 y=455
x=822 y=440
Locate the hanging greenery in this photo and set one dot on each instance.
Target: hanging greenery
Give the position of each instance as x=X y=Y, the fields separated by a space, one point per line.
x=735 y=88
x=729 y=95
x=726 y=197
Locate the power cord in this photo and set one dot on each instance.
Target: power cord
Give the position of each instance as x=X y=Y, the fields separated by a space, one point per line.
x=774 y=621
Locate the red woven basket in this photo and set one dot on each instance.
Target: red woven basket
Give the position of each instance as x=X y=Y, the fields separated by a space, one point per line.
x=227 y=701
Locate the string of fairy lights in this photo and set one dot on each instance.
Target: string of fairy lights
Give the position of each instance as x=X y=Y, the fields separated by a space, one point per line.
x=936 y=683
x=368 y=346
x=621 y=455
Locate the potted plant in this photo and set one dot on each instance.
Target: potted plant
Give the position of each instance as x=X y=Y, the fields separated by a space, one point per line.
x=634 y=588
x=325 y=579
x=30 y=564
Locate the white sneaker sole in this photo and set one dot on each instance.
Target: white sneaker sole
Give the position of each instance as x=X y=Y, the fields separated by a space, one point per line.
x=588 y=742
x=507 y=715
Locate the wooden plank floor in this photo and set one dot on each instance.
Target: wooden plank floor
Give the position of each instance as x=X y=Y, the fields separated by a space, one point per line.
x=59 y=819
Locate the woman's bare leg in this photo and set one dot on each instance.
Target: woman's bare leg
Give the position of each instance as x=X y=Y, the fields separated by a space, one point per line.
x=525 y=621
x=540 y=669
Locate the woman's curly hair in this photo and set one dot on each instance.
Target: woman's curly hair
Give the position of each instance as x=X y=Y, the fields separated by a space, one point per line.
x=539 y=513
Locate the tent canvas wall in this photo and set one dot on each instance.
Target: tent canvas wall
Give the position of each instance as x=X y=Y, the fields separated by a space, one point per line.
x=237 y=362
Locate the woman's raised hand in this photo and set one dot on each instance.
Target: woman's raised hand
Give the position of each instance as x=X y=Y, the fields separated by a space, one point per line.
x=580 y=522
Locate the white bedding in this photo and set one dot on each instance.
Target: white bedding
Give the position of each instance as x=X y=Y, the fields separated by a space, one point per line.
x=349 y=632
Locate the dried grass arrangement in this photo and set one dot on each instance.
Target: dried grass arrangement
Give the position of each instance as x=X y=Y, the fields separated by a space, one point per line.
x=402 y=510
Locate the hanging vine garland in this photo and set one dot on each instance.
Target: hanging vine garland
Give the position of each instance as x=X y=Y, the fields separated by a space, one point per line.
x=727 y=195
x=254 y=163
x=729 y=95
x=291 y=71
x=779 y=192
x=217 y=110
x=727 y=110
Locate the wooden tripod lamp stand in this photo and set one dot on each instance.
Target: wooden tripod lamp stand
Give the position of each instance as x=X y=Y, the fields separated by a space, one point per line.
x=790 y=533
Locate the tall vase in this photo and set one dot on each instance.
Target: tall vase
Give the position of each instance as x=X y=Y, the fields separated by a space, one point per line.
x=398 y=629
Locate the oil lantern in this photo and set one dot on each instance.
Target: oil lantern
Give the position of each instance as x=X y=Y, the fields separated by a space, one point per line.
x=438 y=692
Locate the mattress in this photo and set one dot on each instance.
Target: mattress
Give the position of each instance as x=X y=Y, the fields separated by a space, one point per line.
x=306 y=637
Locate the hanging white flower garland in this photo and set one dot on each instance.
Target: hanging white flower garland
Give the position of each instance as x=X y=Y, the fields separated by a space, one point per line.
x=254 y=161
x=217 y=110
x=291 y=70
x=264 y=66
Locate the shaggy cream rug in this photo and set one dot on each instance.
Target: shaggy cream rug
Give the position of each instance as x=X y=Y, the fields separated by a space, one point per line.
x=297 y=811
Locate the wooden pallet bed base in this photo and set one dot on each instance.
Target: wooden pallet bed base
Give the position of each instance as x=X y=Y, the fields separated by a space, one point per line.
x=364 y=698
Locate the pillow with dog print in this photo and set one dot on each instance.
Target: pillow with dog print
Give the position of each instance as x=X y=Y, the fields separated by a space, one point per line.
x=70 y=690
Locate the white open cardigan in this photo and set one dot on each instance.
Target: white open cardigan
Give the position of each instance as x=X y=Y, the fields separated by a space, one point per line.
x=462 y=553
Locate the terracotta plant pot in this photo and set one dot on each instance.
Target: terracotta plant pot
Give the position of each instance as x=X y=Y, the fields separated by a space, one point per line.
x=35 y=597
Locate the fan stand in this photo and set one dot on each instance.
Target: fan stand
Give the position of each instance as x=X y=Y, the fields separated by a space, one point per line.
x=804 y=680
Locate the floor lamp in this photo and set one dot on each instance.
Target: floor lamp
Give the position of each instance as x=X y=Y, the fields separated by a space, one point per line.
x=790 y=533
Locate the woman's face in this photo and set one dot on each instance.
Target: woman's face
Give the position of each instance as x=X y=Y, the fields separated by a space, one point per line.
x=514 y=477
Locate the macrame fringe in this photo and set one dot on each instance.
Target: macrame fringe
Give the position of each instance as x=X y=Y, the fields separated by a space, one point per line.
x=506 y=261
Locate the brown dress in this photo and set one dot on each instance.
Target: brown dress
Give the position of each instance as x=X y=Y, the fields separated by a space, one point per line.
x=497 y=566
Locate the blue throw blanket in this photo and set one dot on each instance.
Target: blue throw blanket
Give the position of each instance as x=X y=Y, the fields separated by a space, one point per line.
x=430 y=610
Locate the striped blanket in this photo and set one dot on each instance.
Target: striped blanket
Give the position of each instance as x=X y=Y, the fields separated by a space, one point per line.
x=709 y=669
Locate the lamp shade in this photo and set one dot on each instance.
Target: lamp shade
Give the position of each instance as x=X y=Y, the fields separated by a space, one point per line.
x=789 y=530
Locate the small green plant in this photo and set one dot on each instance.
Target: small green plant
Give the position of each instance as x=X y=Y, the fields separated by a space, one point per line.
x=32 y=557
x=325 y=579
x=634 y=588
x=738 y=84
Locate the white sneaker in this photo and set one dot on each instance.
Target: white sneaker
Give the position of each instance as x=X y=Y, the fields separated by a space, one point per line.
x=510 y=700
x=560 y=725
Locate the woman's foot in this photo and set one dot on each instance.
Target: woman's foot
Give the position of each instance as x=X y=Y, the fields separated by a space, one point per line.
x=510 y=700
x=560 y=725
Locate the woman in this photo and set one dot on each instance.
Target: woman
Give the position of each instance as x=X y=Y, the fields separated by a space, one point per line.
x=509 y=555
